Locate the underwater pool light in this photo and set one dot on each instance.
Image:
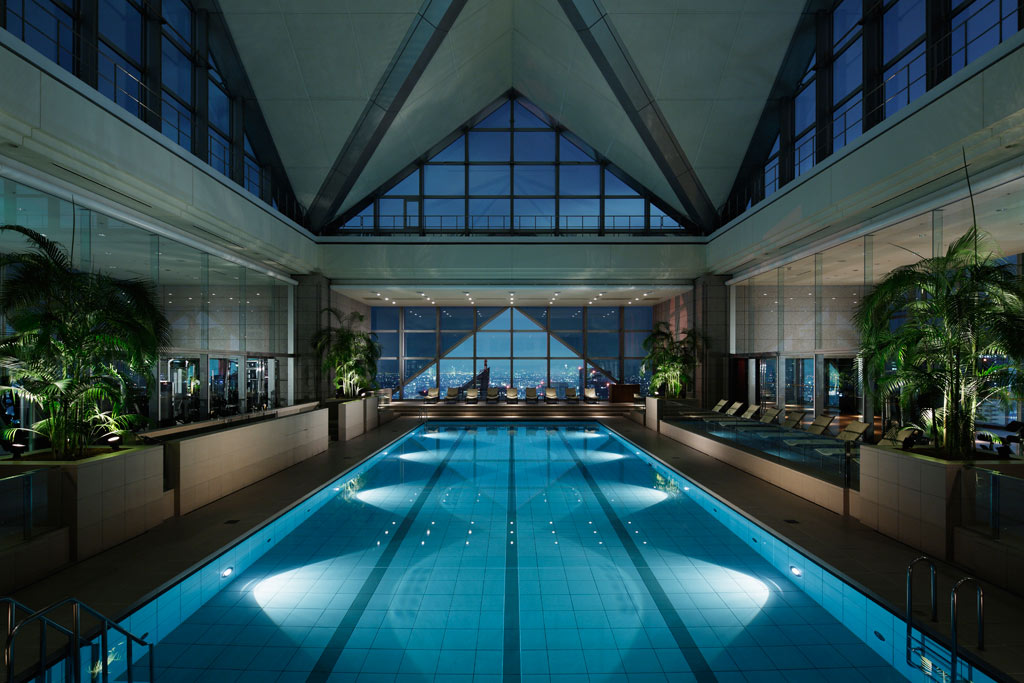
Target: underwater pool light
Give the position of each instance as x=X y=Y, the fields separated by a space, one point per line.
x=227 y=572
x=796 y=571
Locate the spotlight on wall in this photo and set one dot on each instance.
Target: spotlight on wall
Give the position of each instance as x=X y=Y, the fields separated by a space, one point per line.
x=114 y=441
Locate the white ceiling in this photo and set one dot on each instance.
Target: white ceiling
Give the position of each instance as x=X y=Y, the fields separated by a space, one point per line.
x=315 y=63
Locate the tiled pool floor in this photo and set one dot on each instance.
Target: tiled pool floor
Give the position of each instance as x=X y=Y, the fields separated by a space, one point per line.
x=526 y=553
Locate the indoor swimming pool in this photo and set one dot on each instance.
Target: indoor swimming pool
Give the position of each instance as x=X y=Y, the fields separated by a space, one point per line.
x=517 y=552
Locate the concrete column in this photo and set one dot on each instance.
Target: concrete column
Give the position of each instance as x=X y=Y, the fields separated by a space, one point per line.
x=711 y=318
x=312 y=296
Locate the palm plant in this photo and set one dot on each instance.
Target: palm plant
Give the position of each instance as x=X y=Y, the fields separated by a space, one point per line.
x=77 y=339
x=671 y=360
x=929 y=332
x=349 y=353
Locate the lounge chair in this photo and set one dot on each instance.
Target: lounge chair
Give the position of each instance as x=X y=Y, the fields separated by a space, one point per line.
x=550 y=395
x=816 y=428
x=472 y=395
x=590 y=395
x=734 y=408
x=720 y=406
x=896 y=437
x=531 y=395
x=492 y=395
x=793 y=419
x=851 y=433
x=452 y=396
x=820 y=424
x=432 y=394
x=511 y=395
x=571 y=396
x=748 y=414
x=767 y=418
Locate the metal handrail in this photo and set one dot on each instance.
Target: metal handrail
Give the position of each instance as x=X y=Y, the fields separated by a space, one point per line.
x=76 y=640
x=910 y=596
x=953 y=621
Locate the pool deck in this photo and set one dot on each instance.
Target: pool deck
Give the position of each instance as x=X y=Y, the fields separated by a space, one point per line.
x=125 y=575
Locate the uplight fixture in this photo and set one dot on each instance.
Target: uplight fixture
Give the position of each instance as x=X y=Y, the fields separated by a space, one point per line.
x=114 y=441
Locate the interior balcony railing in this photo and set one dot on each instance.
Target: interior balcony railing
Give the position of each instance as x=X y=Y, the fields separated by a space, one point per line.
x=503 y=225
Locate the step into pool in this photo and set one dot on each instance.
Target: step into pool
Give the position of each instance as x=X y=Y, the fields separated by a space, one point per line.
x=519 y=552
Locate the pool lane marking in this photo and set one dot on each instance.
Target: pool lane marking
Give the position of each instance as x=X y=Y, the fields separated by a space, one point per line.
x=332 y=652
x=698 y=665
x=510 y=667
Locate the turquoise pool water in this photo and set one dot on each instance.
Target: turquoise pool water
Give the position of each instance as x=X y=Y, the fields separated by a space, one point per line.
x=498 y=552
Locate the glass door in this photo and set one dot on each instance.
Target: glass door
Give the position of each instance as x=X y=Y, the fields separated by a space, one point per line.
x=179 y=391
x=223 y=387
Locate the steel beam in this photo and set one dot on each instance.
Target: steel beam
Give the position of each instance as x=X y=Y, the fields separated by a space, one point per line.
x=610 y=54
x=432 y=23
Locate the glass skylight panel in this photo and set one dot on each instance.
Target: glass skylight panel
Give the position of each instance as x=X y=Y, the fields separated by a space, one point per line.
x=444 y=180
x=453 y=152
x=579 y=180
x=534 y=146
x=613 y=186
x=524 y=118
x=569 y=152
x=488 y=180
x=535 y=180
x=410 y=185
x=500 y=118
x=489 y=146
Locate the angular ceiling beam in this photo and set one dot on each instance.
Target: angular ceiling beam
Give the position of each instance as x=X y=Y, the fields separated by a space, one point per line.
x=609 y=53
x=801 y=48
x=429 y=28
x=231 y=68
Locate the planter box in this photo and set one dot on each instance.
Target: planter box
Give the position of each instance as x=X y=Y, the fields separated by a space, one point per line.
x=351 y=418
x=210 y=466
x=910 y=497
x=113 y=497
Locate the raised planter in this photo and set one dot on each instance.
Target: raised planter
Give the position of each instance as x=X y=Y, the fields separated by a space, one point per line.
x=910 y=497
x=206 y=467
x=108 y=498
x=349 y=418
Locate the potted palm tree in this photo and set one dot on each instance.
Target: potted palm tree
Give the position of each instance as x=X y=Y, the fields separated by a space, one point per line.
x=351 y=355
x=77 y=338
x=929 y=332
x=670 y=359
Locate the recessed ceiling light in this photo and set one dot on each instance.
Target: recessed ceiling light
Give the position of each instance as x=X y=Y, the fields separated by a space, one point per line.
x=393 y=303
x=386 y=299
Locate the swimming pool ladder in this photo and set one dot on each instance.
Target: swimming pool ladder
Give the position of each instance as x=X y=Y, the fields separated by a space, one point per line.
x=953 y=614
x=100 y=654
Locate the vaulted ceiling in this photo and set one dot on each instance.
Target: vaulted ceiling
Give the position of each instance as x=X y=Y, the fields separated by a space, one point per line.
x=670 y=91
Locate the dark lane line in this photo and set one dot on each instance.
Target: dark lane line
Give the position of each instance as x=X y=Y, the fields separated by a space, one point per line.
x=698 y=665
x=511 y=671
x=329 y=657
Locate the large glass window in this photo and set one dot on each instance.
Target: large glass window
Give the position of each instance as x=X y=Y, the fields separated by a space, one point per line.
x=512 y=170
x=534 y=346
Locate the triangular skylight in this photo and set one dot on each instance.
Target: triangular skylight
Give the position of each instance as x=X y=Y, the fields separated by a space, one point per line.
x=511 y=171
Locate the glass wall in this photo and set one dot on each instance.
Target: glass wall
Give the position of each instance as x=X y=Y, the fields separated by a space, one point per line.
x=863 y=64
x=520 y=347
x=512 y=171
x=224 y=318
x=801 y=314
x=174 y=86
